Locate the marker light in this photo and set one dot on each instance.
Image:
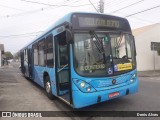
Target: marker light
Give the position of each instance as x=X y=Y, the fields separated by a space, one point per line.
x=88 y=89
x=131 y=80
x=82 y=85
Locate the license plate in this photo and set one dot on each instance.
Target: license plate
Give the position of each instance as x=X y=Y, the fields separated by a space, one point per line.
x=115 y=94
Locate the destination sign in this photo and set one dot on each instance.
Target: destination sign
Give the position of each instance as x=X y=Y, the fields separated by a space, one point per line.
x=97 y=22
x=121 y=67
x=84 y=21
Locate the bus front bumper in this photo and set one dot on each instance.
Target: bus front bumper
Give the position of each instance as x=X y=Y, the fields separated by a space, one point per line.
x=81 y=99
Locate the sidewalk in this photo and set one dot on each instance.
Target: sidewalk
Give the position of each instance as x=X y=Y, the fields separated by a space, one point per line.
x=151 y=73
x=4 y=66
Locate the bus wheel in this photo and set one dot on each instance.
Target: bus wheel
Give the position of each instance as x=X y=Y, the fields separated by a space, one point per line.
x=48 y=88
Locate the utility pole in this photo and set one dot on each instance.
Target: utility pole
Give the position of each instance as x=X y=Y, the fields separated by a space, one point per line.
x=154 y=57
x=101 y=6
x=0 y=59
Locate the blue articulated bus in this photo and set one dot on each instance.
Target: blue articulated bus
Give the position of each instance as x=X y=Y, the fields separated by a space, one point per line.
x=83 y=59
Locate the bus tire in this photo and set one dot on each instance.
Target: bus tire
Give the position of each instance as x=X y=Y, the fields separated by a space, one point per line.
x=48 y=88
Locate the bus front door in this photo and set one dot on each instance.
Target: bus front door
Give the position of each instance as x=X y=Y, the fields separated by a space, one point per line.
x=62 y=68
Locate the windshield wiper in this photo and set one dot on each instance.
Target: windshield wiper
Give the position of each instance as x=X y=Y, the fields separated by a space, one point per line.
x=98 y=44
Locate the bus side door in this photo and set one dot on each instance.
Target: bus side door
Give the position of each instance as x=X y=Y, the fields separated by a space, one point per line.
x=62 y=67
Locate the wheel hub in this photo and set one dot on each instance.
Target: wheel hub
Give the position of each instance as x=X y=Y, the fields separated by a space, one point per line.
x=48 y=87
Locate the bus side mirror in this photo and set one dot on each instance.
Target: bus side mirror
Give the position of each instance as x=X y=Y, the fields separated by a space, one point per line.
x=69 y=36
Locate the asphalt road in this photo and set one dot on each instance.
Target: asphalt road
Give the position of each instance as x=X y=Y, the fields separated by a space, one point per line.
x=19 y=94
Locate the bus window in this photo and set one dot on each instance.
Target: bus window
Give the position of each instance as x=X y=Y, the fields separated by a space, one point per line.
x=35 y=51
x=89 y=54
x=128 y=46
x=26 y=55
x=63 y=56
x=121 y=48
x=41 y=52
x=50 y=54
x=24 y=52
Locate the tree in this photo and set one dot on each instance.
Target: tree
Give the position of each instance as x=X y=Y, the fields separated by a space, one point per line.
x=16 y=56
x=158 y=51
x=8 y=55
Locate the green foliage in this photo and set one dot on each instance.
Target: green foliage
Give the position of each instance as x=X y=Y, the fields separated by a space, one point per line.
x=16 y=56
x=8 y=55
x=158 y=51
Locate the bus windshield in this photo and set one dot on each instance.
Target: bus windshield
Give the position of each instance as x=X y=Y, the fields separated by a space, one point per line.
x=103 y=54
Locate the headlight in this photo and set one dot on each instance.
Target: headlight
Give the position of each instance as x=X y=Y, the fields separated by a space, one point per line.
x=88 y=89
x=132 y=80
x=134 y=75
x=83 y=86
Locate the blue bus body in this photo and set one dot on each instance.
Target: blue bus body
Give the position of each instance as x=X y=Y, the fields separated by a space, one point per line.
x=101 y=88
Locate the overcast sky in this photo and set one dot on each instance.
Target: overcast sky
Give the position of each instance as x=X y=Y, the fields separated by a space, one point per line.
x=21 y=21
